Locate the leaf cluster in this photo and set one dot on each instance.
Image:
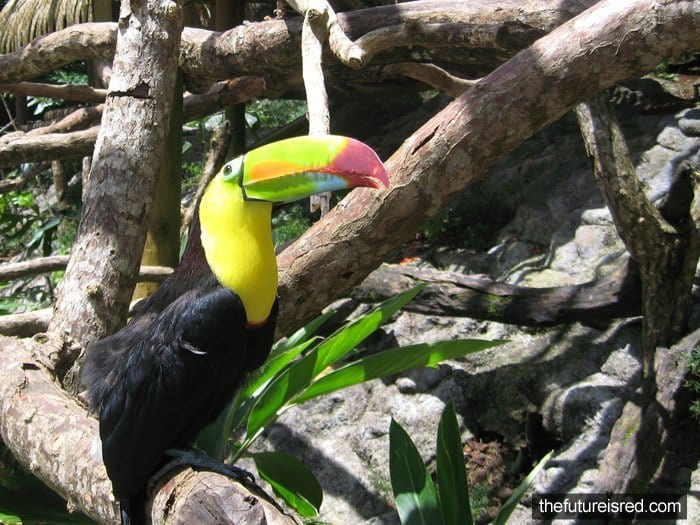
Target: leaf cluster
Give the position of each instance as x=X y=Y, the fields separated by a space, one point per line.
x=304 y=367
x=418 y=501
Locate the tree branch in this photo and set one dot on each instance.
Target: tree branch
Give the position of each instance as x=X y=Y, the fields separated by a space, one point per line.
x=51 y=434
x=479 y=35
x=451 y=294
x=606 y=44
x=431 y=75
x=45 y=144
x=9 y=271
x=61 y=92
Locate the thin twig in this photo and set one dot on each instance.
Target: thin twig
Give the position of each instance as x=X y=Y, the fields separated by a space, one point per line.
x=61 y=92
x=9 y=115
x=54 y=263
x=432 y=75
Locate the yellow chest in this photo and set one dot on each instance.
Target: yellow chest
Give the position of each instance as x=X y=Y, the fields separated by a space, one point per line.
x=237 y=242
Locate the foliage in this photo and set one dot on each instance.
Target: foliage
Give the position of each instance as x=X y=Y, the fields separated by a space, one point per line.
x=693 y=380
x=26 y=230
x=418 y=501
x=288 y=224
x=266 y=113
x=304 y=367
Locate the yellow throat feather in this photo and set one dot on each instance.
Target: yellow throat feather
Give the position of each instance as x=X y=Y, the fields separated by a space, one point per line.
x=237 y=242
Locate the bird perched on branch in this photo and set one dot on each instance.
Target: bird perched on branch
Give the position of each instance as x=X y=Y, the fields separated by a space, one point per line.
x=157 y=382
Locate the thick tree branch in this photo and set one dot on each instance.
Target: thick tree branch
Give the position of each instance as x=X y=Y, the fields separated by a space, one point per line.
x=53 y=146
x=479 y=35
x=94 y=294
x=606 y=44
x=667 y=254
x=51 y=434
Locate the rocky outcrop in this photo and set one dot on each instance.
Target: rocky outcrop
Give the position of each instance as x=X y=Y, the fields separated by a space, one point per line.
x=563 y=386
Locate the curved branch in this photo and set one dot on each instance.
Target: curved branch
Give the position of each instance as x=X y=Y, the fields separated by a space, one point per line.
x=608 y=43
x=51 y=434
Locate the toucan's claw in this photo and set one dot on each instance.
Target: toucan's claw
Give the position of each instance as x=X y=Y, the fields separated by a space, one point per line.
x=198 y=460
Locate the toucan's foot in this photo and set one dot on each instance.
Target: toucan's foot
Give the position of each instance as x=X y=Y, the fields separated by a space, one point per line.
x=198 y=460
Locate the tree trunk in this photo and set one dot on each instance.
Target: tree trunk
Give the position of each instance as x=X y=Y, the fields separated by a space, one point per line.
x=665 y=244
x=162 y=247
x=95 y=291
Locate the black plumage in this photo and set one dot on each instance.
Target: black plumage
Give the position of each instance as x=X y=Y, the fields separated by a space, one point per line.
x=157 y=382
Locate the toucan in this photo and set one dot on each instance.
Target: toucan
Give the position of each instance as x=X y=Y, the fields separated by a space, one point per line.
x=178 y=362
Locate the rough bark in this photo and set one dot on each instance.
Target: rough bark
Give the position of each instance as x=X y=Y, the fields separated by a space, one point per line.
x=472 y=37
x=666 y=251
x=58 y=146
x=646 y=429
x=451 y=294
x=48 y=432
x=95 y=291
x=608 y=43
x=51 y=434
x=665 y=244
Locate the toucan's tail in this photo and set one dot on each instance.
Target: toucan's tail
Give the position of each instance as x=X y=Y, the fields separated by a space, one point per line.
x=133 y=510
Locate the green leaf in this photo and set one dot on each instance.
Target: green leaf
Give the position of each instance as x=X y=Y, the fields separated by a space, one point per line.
x=509 y=506
x=282 y=390
x=414 y=491
x=349 y=336
x=10 y=519
x=391 y=362
x=303 y=333
x=277 y=395
x=451 y=471
x=291 y=480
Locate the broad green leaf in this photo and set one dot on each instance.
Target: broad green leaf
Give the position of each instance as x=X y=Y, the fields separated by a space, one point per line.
x=276 y=396
x=509 y=506
x=451 y=471
x=349 y=336
x=392 y=362
x=274 y=366
x=291 y=480
x=303 y=333
x=414 y=491
x=281 y=391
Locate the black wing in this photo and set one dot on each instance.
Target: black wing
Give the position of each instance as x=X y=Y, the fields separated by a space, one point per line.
x=162 y=378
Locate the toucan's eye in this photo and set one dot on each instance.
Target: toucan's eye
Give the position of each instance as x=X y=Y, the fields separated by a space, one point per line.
x=232 y=170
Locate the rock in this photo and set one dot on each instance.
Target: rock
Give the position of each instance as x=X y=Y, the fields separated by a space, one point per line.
x=573 y=378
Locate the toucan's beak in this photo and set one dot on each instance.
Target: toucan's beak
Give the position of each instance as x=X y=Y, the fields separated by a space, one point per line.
x=295 y=168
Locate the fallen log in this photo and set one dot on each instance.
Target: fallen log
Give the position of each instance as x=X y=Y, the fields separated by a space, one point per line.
x=452 y=294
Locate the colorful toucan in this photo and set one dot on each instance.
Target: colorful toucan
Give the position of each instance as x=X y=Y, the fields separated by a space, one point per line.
x=157 y=382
